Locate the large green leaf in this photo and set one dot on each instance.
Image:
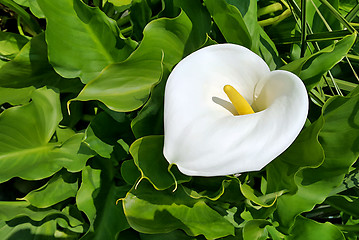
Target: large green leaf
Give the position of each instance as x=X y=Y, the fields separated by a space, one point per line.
x=305 y=151
x=126 y=86
x=81 y=40
x=151 y=211
x=307 y=229
x=148 y=157
x=25 y=147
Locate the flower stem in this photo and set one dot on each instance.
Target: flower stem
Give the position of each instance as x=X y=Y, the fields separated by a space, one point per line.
x=126 y=31
x=275 y=20
x=269 y=9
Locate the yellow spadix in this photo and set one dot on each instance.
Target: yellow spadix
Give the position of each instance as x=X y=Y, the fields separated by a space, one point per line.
x=238 y=101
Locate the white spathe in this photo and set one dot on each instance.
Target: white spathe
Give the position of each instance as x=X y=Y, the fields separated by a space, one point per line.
x=202 y=135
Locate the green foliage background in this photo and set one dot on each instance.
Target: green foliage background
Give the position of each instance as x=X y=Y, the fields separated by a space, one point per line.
x=81 y=121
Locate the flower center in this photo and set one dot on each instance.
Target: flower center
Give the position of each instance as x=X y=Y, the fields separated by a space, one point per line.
x=238 y=101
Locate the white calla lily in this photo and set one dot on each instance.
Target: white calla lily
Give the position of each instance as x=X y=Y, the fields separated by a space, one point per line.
x=204 y=135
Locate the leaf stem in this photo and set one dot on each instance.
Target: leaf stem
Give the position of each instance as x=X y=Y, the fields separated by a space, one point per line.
x=269 y=9
x=322 y=211
x=352 y=14
x=275 y=20
x=315 y=37
x=123 y=20
x=338 y=16
x=303 y=27
x=126 y=31
x=348 y=228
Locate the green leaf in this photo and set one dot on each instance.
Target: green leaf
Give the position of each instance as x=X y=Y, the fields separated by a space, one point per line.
x=130 y=172
x=15 y=221
x=20 y=229
x=110 y=219
x=248 y=9
x=91 y=179
x=175 y=235
x=268 y=51
x=60 y=187
x=255 y=230
x=261 y=43
x=75 y=223
x=230 y=21
x=82 y=40
x=344 y=204
x=16 y=209
x=11 y=210
x=264 y=201
x=311 y=68
x=24 y=3
x=11 y=44
x=201 y=23
x=304 y=151
x=126 y=86
x=97 y=199
x=26 y=132
x=15 y=96
x=149 y=120
x=315 y=182
x=100 y=147
x=35 y=9
x=109 y=130
x=140 y=16
x=120 y=3
x=307 y=229
x=148 y=157
x=30 y=67
x=152 y=211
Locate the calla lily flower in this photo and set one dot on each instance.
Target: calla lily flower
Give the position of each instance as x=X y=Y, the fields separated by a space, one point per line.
x=227 y=113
